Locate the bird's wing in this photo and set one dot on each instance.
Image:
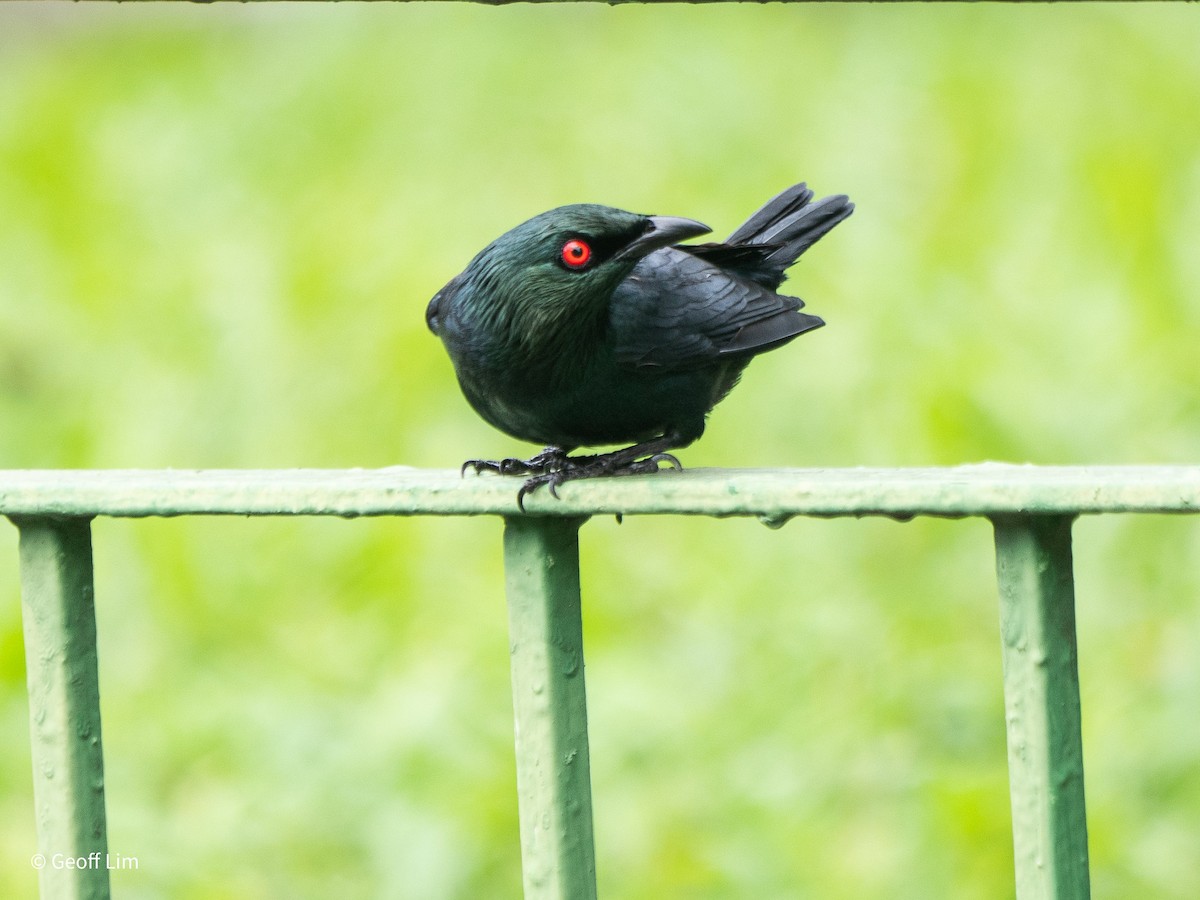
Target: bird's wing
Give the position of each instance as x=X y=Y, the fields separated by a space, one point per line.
x=678 y=311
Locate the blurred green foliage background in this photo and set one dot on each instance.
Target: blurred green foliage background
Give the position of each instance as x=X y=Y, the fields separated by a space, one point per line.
x=219 y=227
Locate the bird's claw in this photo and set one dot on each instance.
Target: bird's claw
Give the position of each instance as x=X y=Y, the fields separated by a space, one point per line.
x=649 y=464
x=549 y=460
x=499 y=466
x=532 y=484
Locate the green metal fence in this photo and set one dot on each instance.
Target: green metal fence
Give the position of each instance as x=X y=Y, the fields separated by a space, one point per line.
x=1032 y=509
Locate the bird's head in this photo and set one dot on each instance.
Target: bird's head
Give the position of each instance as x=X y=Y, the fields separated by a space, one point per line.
x=564 y=264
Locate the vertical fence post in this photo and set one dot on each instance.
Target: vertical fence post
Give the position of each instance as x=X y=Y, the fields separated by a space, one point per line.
x=541 y=561
x=1041 y=697
x=64 y=707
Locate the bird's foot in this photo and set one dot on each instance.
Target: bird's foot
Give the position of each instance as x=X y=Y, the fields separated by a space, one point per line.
x=549 y=460
x=569 y=468
x=553 y=467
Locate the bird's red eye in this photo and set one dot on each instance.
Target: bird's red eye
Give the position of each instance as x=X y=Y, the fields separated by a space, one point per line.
x=576 y=253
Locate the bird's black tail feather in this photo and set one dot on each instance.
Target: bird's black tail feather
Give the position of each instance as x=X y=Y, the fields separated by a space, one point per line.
x=789 y=224
x=775 y=236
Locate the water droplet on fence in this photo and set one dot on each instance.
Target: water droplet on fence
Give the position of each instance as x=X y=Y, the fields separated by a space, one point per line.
x=774 y=521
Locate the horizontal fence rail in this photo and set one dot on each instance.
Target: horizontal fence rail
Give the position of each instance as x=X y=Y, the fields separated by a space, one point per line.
x=1031 y=509
x=986 y=489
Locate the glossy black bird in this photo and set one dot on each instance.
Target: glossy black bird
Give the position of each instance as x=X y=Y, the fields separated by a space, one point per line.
x=588 y=325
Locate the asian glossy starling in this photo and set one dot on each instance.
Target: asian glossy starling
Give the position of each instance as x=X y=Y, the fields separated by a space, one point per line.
x=588 y=325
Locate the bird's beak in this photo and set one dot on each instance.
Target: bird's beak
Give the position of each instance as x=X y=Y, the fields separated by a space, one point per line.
x=662 y=231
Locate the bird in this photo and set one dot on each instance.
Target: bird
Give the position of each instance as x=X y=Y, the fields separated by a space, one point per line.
x=590 y=326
